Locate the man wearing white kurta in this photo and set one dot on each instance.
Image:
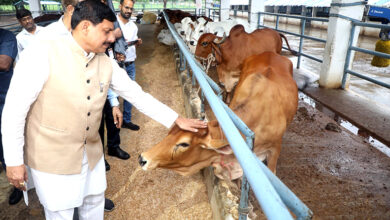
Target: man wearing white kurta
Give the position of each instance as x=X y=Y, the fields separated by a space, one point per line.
x=53 y=109
x=30 y=29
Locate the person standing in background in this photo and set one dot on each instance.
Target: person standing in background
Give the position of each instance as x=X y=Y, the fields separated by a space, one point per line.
x=30 y=29
x=8 y=53
x=130 y=33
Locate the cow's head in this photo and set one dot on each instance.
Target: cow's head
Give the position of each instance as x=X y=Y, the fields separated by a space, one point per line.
x=196 y=33
x=209 y=43
x=187 y=152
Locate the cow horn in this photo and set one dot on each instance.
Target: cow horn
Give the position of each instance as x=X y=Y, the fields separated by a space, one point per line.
x=206 y=22
x=216 y=41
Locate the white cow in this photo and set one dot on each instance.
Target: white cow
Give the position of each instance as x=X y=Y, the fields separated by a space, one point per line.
x=166 y=37
x=217 y=28
x=187 y=25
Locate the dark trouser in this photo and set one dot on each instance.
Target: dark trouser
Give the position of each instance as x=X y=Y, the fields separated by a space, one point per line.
x=1 y=148
x=130 y=69
x=113 y=138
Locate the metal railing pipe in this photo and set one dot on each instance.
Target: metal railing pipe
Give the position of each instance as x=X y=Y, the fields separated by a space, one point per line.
x=368 y=78
x=363 y=24
x=311 y=57
x=213 y=85
x=295 y=34
x=303 y=25
x=375 y=53
x=238 y=122
x=348 y=57
x=288 y=197
x=295 y=16
x=266 y=195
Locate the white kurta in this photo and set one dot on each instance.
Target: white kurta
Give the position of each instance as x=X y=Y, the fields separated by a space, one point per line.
x=129 y=31
x=54 y=30
x=58 y=192
x=25 y=38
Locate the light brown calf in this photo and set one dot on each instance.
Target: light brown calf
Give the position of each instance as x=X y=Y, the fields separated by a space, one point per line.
x=266 y=99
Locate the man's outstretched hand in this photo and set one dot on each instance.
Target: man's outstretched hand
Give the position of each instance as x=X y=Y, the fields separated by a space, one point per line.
x=190 y=124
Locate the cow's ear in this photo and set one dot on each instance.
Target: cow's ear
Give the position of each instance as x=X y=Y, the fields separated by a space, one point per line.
x=218 y=143
x=214 y=130
x=217 y=53
x=226 y=149
x=202 y=132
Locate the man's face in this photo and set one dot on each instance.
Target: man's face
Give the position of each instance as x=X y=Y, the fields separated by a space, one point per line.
x=100 y=36
x=126 y=8
x=27 y=23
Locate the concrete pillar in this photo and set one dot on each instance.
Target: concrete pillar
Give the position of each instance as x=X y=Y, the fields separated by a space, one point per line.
x=314 y=12
x=288 y=11
x=339 y=29
x=208 y=5
x=224 y=10
x=254 y=7
x=276 y=8
x=198 y=4
x=35 y=8
x=304 y=10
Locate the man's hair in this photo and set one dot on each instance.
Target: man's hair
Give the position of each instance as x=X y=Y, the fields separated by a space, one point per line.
x=121 y=1
x=91 y=10
x=21 y=13
x=66 y=3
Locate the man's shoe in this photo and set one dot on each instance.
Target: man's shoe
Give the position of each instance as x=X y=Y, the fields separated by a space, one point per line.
x=130 y=126
x=107 y=165
x=15 y=196
x=108 y=205
x=118 y=152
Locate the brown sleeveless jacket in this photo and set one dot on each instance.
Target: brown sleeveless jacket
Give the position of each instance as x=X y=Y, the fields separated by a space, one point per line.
x=65 y=118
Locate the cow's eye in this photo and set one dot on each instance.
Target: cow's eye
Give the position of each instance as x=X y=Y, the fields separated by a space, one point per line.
x=204 y=44
x=200 y=31
x=183 y=145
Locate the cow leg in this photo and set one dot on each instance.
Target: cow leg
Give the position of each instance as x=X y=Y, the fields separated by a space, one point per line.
x=272 y=157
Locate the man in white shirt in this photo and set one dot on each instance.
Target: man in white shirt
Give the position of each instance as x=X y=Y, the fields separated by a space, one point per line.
x=130 y=31
x=62 y=26
x=30 y=29
x=53 y=109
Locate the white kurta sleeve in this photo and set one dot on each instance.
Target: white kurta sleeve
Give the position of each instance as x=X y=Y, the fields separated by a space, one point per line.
x=144 y=102
x=30 y=74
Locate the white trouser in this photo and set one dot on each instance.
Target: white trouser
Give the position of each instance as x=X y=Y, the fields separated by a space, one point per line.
x=91 y=209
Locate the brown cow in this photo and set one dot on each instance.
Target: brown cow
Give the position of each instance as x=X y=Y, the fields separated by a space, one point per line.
x=230 y=52
x=266 y=99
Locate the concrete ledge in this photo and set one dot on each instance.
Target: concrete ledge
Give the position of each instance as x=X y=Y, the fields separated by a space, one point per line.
x=364 y=114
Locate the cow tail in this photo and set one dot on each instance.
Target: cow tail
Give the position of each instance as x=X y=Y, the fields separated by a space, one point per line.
x=293 y=52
